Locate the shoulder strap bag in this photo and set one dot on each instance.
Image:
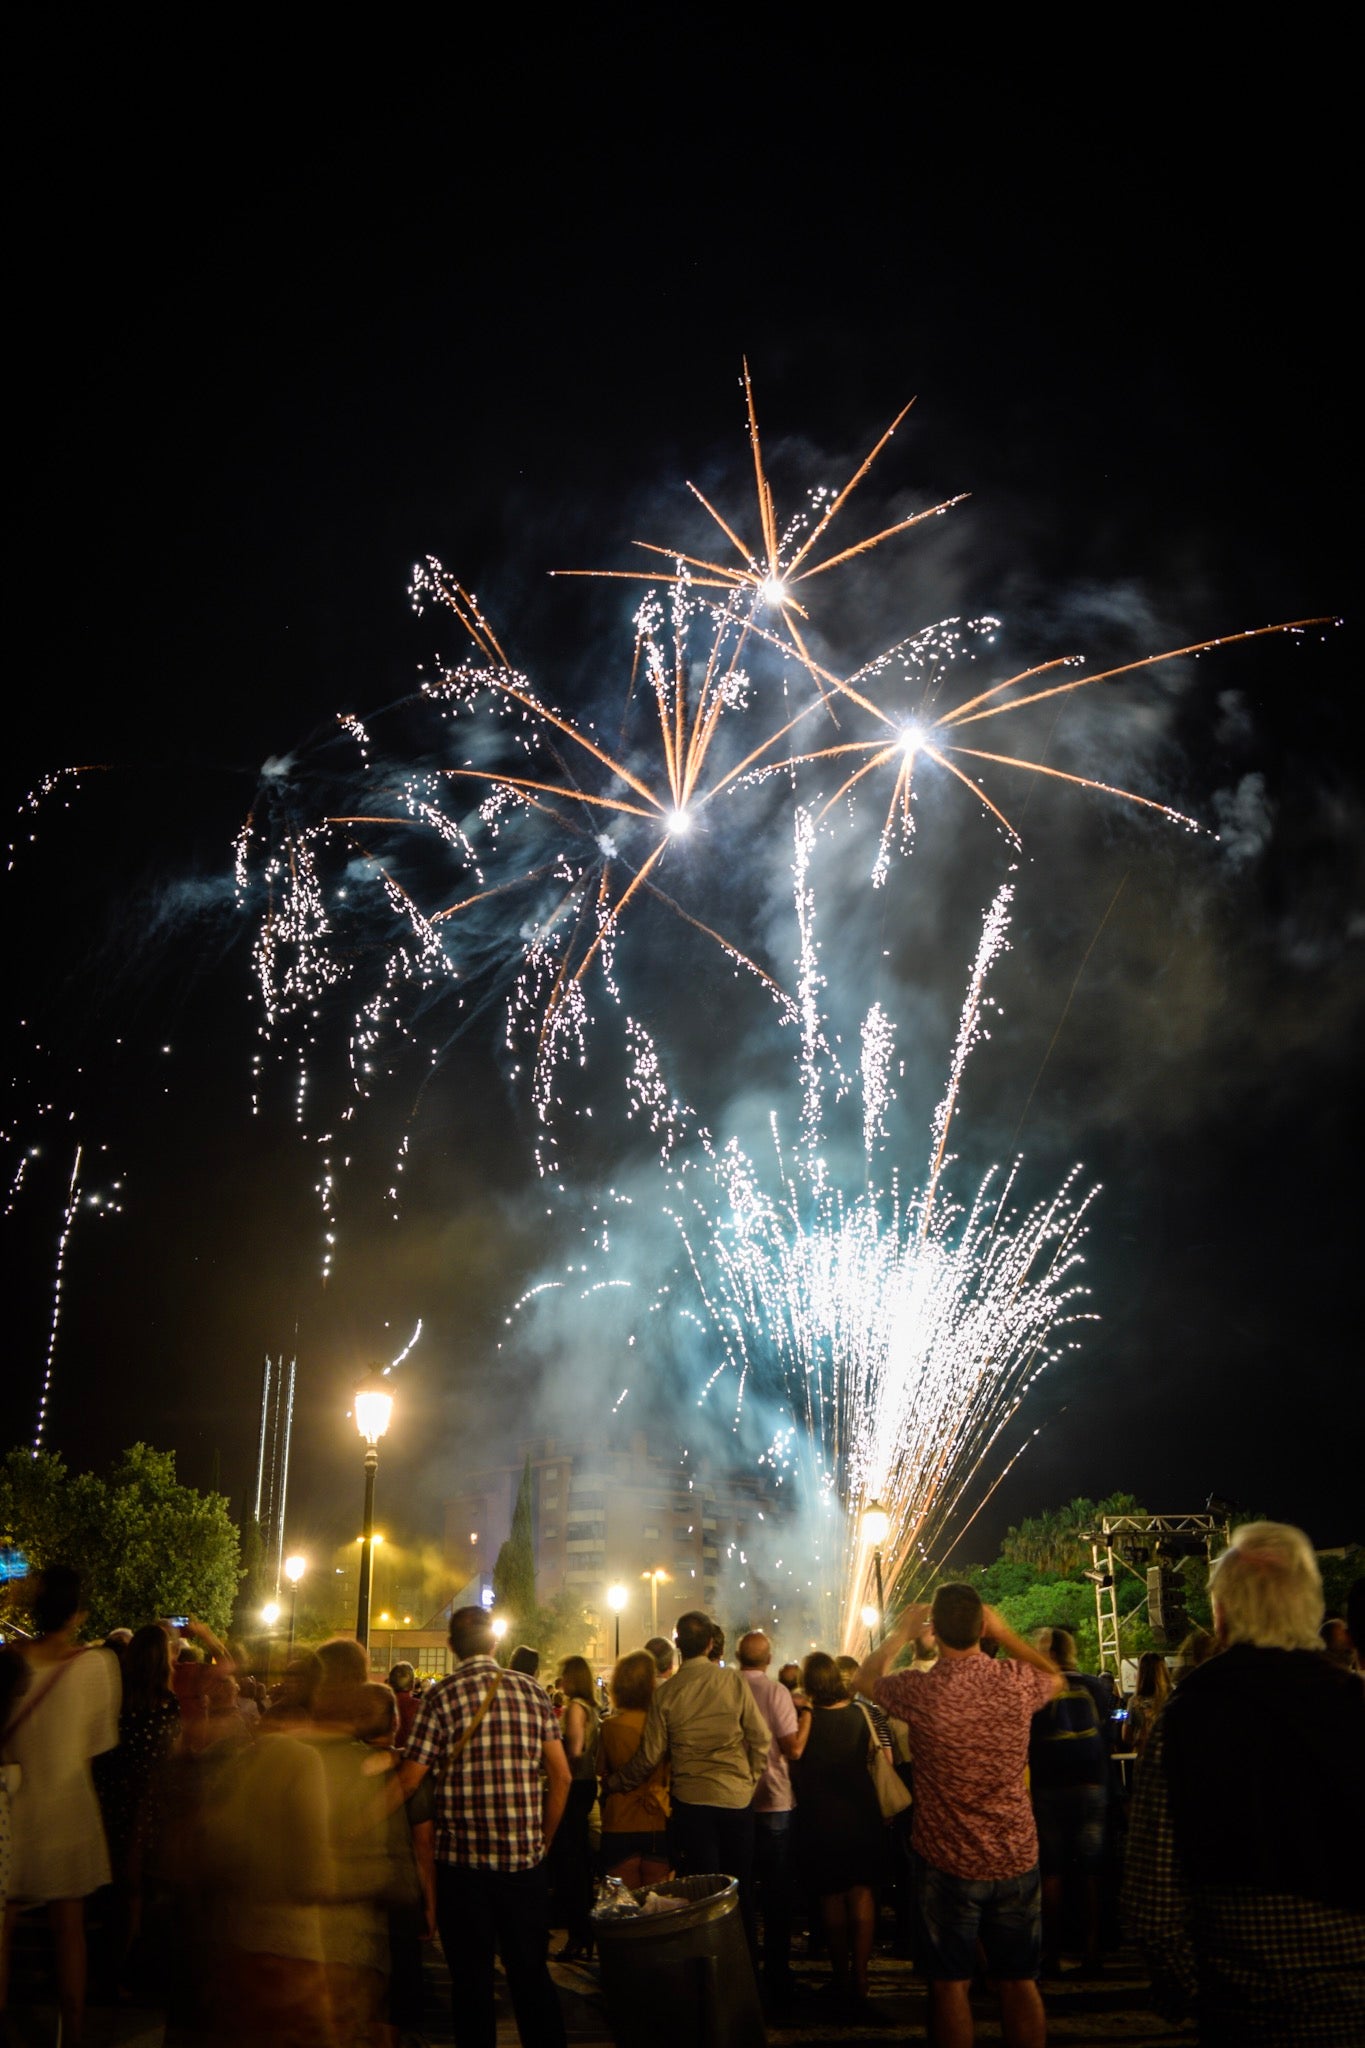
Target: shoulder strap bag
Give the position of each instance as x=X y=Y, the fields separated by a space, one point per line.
x=892 y=1796
x=484 y=1704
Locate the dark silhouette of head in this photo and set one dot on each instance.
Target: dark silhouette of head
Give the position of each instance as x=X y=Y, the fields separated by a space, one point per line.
x=471 y=1632
x=693 y=1634
x=633 y=1681
x=55 y=1599
x=822 y=1681
x=957 y=1616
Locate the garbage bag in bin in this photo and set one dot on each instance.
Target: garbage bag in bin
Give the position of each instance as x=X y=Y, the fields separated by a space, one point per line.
x=681 y=1979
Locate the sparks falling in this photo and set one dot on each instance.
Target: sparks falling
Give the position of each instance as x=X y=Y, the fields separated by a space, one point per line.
x=901 y=1327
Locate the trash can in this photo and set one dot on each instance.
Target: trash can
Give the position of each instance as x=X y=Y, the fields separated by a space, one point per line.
x=681 y=1979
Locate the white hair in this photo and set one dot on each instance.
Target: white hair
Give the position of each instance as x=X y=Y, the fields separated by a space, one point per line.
x=1267 y=1589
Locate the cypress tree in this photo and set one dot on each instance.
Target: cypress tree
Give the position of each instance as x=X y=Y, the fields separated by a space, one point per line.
x=514 y=1571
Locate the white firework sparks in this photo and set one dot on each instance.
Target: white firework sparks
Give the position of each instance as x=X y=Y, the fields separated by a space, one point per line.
x=901 y=1328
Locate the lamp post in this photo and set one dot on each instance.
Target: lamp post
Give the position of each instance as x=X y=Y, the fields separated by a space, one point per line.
x=654 y=1578
x=373 y=1407
x=270 y=1614
x=876 y=1528
x=870 y=1620
x=294 y=1569
x=616 y=1600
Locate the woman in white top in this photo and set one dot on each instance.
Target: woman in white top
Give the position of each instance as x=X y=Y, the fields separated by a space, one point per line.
x=67 y=1713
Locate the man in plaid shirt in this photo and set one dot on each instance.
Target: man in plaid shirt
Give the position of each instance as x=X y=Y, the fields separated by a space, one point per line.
x=503 y=1779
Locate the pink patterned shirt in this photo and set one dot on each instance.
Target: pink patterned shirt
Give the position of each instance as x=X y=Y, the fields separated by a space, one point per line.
x=969 y=1725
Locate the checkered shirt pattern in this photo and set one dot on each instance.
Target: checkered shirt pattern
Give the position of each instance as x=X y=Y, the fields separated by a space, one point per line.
x=490 y=1805
x=1263 y=1969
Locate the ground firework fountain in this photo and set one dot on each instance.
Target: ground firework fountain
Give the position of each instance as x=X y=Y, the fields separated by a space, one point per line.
x=901 y=1330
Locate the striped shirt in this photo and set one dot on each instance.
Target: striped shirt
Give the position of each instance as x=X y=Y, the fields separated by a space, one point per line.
x=490 y=1805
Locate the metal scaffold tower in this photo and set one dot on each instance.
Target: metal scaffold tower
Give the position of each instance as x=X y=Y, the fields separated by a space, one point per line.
x=1148 y=1546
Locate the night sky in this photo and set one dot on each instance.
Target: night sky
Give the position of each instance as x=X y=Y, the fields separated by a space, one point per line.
x=276 y=345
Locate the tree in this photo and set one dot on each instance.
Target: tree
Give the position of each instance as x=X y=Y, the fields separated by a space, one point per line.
x=1053 y=1543
x=144 y=1544
x=563 y=1628
x=514 y=1569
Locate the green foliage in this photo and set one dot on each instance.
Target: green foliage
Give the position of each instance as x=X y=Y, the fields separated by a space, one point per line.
x=563 y=1628
x=514 y=1571
x=1039 y=1580
x=144 y=1544
x=1053 y=1543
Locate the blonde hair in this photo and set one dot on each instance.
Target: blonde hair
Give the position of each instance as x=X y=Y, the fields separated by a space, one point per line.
x=1267 y=1589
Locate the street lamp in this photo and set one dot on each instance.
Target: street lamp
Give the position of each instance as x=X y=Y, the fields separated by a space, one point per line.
x=373 y=1407
x=499 y=1631
x=294 y=1569
x=617 y=1597
x=654 y=1577
x=270 y=1614
x=870 y=1620
x=876 y=1529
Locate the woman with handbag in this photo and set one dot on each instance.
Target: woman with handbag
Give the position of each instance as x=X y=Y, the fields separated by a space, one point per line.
x=841 y=1840
x=570 y=1851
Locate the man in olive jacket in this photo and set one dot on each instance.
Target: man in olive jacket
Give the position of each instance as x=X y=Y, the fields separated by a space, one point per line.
x=707 y=1723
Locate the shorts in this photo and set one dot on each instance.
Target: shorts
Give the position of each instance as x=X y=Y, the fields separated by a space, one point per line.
x=953 y=1913
x=1071 y=1827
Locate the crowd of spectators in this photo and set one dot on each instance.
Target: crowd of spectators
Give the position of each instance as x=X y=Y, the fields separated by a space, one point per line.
x=269 y=1863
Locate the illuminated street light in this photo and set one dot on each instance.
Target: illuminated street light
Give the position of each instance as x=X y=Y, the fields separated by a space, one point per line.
x=294 y=1569
x=373 y=1406
x=870 y=1620
x=876 y=1529
x=617 y=1597
x=270 y=1613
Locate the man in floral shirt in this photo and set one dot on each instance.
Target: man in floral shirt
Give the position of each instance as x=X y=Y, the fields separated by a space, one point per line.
x=973 y=1838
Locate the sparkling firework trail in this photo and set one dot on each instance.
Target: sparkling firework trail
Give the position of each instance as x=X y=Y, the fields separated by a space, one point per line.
x=900 y=1329
x=73 y=1197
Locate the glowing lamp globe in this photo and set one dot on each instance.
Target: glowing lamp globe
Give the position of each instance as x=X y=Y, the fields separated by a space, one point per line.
x=876 y=1524
x=871 y=1617
x=270 y=1613
x=373 y=1406
x=499 y=1627
x=616 y=1598
x=294 y=1569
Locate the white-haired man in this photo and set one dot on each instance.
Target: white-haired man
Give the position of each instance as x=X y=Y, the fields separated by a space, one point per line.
x=1245 y=1882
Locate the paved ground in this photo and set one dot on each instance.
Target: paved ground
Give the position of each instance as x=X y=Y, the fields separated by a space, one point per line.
x=1083 y=2012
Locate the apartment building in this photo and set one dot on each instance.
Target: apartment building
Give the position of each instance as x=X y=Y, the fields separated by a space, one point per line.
x=671 y=1531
